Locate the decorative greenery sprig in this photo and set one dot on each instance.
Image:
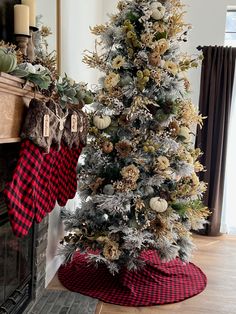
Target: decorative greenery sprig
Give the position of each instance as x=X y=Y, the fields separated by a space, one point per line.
x=36 y=74
x=71 y=92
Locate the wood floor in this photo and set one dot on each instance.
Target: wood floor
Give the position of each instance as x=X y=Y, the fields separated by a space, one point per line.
x=217 y=258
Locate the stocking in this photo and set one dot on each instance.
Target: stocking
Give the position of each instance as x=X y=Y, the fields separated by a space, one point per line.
x=25 y=194
x=45 y=192
x=19 y=193
x=74 y=141
x=53 y=184
x=42 y=200
x=34 y=120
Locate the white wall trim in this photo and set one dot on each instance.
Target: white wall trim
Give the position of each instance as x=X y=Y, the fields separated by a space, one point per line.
x=231 y=7
x=52 y=268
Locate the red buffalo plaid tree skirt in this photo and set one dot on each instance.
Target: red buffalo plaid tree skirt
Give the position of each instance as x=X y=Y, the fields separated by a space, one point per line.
x=157 y=283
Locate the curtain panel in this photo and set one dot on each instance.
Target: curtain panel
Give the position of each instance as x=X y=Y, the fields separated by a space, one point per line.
x=217 y=80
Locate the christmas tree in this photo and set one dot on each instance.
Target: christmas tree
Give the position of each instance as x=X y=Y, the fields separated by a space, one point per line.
x=138 y=184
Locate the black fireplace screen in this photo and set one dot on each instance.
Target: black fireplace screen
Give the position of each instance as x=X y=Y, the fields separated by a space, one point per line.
x=15 y=254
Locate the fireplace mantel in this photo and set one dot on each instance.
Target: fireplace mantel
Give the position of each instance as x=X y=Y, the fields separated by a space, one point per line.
x=15 y=95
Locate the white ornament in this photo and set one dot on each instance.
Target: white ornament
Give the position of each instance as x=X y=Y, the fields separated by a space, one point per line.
x=105 y=216
x=158 y=10
x=101 y=122
x=108 y=189
x=148 y=190
x=158 y=204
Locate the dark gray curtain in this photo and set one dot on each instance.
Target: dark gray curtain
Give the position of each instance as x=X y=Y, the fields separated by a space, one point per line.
x=215 y=102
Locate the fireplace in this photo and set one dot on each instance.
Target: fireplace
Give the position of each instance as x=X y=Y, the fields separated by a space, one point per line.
x=22 y=261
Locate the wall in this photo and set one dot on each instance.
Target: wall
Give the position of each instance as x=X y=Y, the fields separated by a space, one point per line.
x=77 y=16
x=208 y=21
x=109 y=7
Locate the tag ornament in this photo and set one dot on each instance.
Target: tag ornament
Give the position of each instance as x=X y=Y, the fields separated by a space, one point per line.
x=46 y=125
x=74 y=123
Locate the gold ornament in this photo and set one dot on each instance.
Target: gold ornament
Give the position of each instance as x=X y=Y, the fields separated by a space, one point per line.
x=111 y=80
x=96 y=184
x=198 y=167
x=130 y=173
x=171 y=67
x=111 y=251
x=118 y=62
x=123 y=148
x=154 y=58
x=107 y=147
x=161 y=163
x=125 y=186
x=174 y=128
x=163 y=46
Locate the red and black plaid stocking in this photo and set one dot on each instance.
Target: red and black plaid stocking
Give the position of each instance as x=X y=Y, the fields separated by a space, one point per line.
x=43 y=186
x=19 y=193
x=73 y=142
x=42 y=200
x=65 y=155
x=27 y=195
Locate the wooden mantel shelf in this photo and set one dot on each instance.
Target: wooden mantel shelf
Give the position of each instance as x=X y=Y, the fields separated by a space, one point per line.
x=15 y=95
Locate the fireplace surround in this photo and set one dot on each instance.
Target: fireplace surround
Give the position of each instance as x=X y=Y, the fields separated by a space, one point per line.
x=22 y=261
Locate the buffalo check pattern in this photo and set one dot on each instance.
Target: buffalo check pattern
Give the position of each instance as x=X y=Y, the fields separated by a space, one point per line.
x=43 y=189
x=20 y=192
x=38 y=181
x=67 y=174
x=157 y=283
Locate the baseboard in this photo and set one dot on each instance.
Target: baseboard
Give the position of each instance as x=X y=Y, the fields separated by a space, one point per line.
x=52 y=268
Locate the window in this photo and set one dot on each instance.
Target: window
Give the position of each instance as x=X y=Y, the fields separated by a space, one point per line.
x=230 y=30
x=229 y=214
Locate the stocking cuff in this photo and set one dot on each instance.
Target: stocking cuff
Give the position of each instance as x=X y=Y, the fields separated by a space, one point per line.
x=33 y=128
x=80 y=135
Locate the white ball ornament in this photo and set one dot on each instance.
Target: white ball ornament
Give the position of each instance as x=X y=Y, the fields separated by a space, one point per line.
x=148 y=190
x=158 y=204
x=158 y=10
x=105 y=217
x=108 y=189
x=101 y=122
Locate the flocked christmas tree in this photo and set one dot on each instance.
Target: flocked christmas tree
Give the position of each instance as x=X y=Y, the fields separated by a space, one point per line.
x=138 y=186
